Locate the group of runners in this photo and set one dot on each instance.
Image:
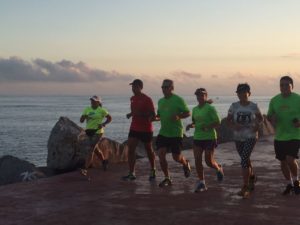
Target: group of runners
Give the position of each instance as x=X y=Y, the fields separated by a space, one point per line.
x=244 y=118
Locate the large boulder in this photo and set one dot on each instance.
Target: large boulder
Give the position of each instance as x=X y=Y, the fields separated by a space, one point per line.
x=68 y=147
x=14 y=170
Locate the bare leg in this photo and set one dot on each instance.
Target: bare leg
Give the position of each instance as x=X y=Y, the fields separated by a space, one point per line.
x=210 y=160
x=285 y=170
x=293 y=165
x=132 y=143
x=179 y=158
x=163 y=162
x=198 y=152
x=151 y=154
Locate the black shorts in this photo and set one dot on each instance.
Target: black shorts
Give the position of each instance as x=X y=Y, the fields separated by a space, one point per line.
x=206 y=144
x=144 y=137
x=173 y=144
x=284 y=148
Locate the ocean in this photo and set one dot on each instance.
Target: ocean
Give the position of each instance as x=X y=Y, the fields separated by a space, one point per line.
x=27 y=121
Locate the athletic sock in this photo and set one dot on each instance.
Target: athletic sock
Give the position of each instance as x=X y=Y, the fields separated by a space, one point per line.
x=295 y=178
x=202 y=181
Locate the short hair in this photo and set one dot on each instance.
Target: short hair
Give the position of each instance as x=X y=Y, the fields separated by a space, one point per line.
x=243 y=87
x=169 y=82
x=289 y=79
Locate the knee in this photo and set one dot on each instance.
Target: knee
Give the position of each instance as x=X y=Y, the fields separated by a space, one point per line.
x=245 y=164
x=161 y=155
x=176 y=157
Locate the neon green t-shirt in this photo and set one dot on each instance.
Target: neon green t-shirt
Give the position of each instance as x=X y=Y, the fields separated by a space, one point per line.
x=285 y=110
x=95 y=117
x=202 y=117
x=167 y=108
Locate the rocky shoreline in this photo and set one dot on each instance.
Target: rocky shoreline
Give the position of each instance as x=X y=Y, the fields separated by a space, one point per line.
x=68 y=147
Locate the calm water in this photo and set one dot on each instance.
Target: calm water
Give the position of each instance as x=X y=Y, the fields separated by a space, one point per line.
x=26 y=122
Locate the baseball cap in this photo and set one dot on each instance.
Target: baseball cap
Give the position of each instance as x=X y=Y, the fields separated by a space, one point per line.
x=200 y=91
x=137 y=82
x=95 y=98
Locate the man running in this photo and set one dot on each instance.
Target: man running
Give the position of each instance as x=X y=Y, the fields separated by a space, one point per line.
x=171 y=109
x=141 y=129
x=284 y=114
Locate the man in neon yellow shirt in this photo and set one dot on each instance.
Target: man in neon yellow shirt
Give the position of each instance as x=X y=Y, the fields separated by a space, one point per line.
x=94 y=115
x=284 y=113
x=171 y=109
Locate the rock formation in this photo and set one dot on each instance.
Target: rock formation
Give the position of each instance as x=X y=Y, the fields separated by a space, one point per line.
x=68 y=147
x=14 y=170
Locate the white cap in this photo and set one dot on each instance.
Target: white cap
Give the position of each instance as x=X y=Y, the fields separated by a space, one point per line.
x=95 y=98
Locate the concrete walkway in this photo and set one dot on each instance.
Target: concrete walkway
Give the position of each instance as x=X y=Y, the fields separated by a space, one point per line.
x=106 y=199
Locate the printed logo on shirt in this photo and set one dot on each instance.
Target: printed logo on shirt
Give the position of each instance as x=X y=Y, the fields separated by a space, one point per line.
x=243 y=117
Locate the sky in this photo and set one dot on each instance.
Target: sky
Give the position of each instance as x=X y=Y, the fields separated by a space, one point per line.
x=76 y=47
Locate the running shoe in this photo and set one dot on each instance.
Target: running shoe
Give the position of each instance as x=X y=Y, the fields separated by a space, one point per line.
x=152 y=175
x=296 y=187
x=104 y=164
x=166 y=182
x=130 y=177
x=220 y=173
x=187 y=169
x=252 y=182
x=83 y=172
x=289 y=188
x=244 y=192
x=200 y=186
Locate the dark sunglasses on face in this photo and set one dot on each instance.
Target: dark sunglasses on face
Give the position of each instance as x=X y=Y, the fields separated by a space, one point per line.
x=284 y=85
x=165 y=87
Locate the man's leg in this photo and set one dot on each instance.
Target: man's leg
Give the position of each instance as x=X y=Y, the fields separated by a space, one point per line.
x=132 y=144
x=150 y=154
x=285 y=169
x=163 y=161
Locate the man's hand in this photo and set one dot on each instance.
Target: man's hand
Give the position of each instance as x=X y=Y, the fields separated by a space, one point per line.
x=128 y=115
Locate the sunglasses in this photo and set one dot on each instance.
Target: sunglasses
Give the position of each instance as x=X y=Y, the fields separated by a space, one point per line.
x=284 y=85
x=165 y=87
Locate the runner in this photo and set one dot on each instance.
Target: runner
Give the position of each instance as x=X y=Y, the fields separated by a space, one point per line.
x=94 y=115
x=141 y=129
x=284 y=114
x=171 y=109
x=205 y=120
x=244 y=117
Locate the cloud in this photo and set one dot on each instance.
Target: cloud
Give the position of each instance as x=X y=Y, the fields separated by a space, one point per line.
x=239 y=75
x=291 y=55
x=17 y=69
x=186 y=75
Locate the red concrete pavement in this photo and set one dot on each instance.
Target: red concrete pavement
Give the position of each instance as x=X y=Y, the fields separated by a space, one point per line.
x=106 y=199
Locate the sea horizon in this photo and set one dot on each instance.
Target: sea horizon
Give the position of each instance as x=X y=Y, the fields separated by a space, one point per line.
x=27 y=121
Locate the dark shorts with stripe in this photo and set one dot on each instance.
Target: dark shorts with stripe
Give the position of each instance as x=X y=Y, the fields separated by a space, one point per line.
x=286 y=148
x=173 y=144
x=144 y=137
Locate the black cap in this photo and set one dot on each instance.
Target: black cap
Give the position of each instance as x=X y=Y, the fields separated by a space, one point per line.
x=137 y=82
x=243 y=88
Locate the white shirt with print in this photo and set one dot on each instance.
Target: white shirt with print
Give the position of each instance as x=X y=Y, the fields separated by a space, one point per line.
x=244 y=116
